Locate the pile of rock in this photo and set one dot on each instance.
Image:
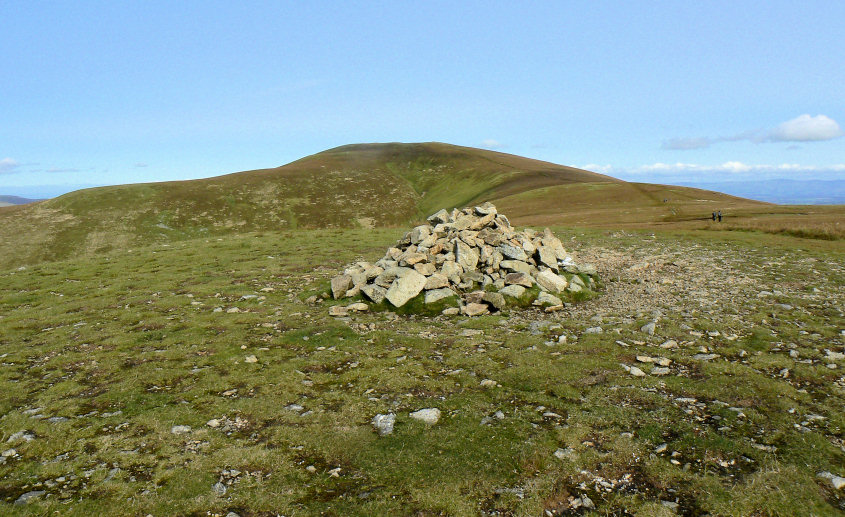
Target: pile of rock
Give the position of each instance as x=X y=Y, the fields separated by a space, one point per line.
x=458 y=252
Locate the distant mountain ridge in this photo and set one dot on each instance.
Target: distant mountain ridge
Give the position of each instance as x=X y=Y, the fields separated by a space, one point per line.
x=359 y=185
x=16 y=200
x=782 y=191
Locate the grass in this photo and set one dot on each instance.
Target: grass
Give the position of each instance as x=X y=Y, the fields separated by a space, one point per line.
x=124 y=345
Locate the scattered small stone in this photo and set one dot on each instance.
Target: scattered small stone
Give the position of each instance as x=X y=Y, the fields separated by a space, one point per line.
x=180 y=429
x=593 y=330
x=250 y=359
x=219 y=488
x=649 y=328
x=838 y=482
x=29 y=497
x=338 y=311
x=636 y=372
x=384 y=423
x=488 y=383
x=428 y=416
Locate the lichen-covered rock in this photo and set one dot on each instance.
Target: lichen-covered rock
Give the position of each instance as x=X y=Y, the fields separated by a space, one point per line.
x=408 y=283
x=550 y=281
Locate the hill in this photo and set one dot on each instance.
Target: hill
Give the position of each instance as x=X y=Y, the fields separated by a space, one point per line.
x=362 y=185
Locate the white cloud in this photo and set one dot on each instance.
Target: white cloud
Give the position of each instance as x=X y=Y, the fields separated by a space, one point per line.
x=805 y=128
x=491 y=144
x=8 y=166
x=685 y=144
x=594 y=167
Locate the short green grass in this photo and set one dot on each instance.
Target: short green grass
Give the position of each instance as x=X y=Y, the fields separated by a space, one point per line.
x=126 y=344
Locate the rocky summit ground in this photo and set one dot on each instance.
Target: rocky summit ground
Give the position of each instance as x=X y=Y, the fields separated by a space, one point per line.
x=203 y=378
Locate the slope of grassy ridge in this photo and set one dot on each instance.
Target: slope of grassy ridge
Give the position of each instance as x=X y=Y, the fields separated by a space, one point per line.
x=617 y=205
x=352 y=186
x=100 y=357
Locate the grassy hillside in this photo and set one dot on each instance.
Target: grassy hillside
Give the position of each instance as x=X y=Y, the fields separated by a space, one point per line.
x=352 y=186
x=371 y=185
x=195 y=378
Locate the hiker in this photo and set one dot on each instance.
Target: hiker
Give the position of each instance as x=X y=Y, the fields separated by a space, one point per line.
x=714 y=215
x=720 y=216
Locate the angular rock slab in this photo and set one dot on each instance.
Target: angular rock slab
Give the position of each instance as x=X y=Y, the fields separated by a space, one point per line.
x=428 y=416
x=550 y=281
x=436 y=295
x=408 y=283
x=341 y=284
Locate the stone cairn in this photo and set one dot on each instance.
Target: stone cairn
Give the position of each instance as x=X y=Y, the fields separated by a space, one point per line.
x=461 y=254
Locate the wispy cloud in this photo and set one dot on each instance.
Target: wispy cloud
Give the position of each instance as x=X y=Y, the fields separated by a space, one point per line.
x=9 y=166
x=804 y=128
x=491 y=144
x=141 y=165
x=726 y=171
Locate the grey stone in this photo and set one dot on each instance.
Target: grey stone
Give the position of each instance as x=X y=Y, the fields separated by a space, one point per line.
x=341 y=284
x=546 y=256
x=436 y=281
x=419 y=233
x=649 y=328
x=545 y=298
x=517 y=266
x=522 y=279
x=475 y=309
x=28 y=497
x=219 y=488
x=438 y=294
x=512 y=252
x=452 y=271
x=441 y=216
x=374 y=293
x=424 y=268
x=384 y=423
x=408 y=283
x=338 y=311
x=551 y=281
x=180 y=429
x=514 y=291
x=494 y=299
x=428 y=416
x=465 y=256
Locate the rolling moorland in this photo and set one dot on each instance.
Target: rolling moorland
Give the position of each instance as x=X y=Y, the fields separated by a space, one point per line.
x=166 y=349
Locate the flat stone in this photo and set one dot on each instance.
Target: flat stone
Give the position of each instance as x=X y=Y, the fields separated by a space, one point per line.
x=522 y=279
x=516 y=266
x=436 y=281
x=425 y=268
x=436 y=295
x=409 y=259
x=545 y=298
x=28 y=497
x=180 y=429
x=250 y=359
x=512 y=252
x=475 y=309
x=546 y=256
x=636 y=372
x=451 y=311
x=514 y=291
x=660 y=370
x=374 y=293
x=407 y=285
x=488 y=383
x=358 y=307
x=551 y=281
x=338 y=311
x=428 y=416
x=384 y=423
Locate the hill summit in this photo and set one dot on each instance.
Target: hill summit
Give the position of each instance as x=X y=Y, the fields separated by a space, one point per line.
x=361 y=185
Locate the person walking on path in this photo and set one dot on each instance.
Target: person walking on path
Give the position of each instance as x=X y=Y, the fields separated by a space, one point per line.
x=720 y=216
x=714 y=215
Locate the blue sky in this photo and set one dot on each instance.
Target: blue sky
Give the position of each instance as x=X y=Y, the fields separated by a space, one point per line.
x=124 y=92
